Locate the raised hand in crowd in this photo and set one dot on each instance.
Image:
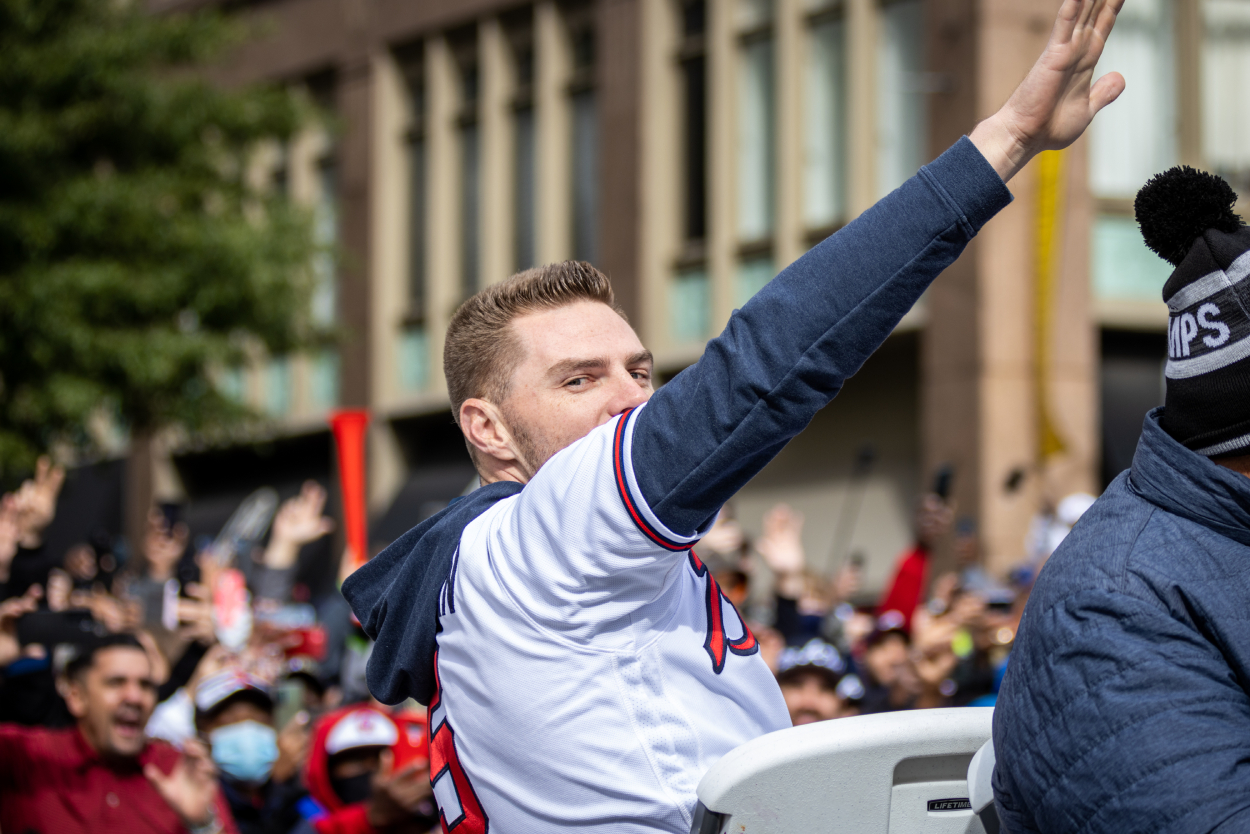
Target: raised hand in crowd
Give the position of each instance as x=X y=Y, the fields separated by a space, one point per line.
x=398 y=795
x=34 y=504
x=299 y=520
x=191 y=787
x=10 y=535
x=934 y=517
x=781 y=545
x=12 y=610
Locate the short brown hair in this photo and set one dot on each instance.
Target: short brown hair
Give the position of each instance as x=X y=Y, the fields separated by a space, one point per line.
x=481 y=351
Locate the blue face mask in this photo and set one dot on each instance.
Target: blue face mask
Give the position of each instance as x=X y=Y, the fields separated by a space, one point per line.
x=246 y=751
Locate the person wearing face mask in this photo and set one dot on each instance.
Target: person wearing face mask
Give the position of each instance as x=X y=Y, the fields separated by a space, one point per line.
x=368 y=771
x=234 y=712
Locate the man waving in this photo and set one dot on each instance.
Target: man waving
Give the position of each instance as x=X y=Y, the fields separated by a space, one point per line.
x=581 y=666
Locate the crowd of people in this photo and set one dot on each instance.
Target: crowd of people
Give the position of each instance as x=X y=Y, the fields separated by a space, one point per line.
x=110 y=667
x=135 y=696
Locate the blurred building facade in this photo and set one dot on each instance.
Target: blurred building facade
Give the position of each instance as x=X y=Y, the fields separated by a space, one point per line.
x=691 y=149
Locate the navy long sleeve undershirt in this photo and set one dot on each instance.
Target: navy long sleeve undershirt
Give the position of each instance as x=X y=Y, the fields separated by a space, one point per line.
x=789 y=350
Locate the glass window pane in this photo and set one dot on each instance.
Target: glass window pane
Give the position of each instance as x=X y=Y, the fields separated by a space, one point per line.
x=1135 y=137
x=901 y=107
x=1225 y=81
x=585 y=177
x=278 y=386
x=755 y=140
x=1123 y=266
x=325 y=379
x=470 y=193
x=326 y=220
x=691 y=306
x=414 y=359
x=753 y=274
x=233 y=384
x=523 y=191
x=824 y=152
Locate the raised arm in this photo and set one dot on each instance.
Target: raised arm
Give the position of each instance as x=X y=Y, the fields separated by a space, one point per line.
x=789 y=350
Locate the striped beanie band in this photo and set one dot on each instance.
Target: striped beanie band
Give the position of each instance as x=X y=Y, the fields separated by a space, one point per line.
x=1187 y=218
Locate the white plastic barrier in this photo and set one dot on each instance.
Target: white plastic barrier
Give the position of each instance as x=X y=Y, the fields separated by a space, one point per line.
x=892 y=773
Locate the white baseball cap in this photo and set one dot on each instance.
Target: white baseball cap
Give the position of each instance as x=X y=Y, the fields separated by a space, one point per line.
x=361 y=728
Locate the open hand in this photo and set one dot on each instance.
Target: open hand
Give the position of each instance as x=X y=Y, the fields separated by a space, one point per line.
x=35 y=502
x=782 y=549
x=12 y=610
x=191 y=787
x=299 y=521
x=1058 y=98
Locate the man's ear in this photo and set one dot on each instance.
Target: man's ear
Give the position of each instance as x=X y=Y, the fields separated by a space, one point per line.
x=73 y=692
x=485 y=429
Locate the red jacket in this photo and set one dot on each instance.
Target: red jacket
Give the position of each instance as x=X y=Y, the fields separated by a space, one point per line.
x=53 y=781
x=340 y=818
x=907 y=589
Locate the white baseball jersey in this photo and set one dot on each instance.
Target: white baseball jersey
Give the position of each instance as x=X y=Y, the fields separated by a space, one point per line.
x=589 y=668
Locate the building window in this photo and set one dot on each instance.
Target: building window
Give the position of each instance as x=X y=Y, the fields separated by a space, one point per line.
x=470 y=141
x=691 y=305
x=824 y=140
x=585 y=145
x=1123 y=266
x=1129 y=142
x=693 y=65
x=753 y=273
x=902 y=123
x=1136 y=137
x=1225 y=78
x=325 y=379
x=277 y=386
x=755 y=121
x=414 y=359
x=326 y=220
x=525 y=149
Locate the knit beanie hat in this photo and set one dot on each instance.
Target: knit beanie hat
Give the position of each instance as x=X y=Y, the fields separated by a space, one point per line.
x=1187 y=218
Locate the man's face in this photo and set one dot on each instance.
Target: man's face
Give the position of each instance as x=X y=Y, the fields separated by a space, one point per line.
x=581 y=365
x=887 y=661
x=113 y=700
x=809 y=700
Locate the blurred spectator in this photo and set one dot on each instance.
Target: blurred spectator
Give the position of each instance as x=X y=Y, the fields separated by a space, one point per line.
x=890 y=681
x=103 y=773
x=815 y=684
x=358 y=786
x=803 y=600
x=259 y=766
x=906 y=590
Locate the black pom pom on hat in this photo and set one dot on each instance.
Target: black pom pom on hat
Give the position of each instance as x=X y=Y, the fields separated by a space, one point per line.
x=1174 y=208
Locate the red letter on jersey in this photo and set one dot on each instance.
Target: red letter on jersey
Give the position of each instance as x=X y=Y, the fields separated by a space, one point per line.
x=718 y=644
x=452 y=790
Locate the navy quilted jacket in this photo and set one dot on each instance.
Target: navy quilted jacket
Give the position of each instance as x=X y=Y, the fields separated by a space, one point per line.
x=1125 y=706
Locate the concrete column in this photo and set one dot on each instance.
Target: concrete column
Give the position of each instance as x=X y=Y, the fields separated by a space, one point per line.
x=442 y=228
x=497 y=156
x=722 y=132
x=660 y=195
x=979 y=364
x=619 y=90
x=861 y=111
x=391 y=177
x=1189 y=81
x=552 y=59
x=788 y=239
x=353 y=99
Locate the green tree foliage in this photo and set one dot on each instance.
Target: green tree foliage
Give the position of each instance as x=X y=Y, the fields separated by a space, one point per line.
x=135 y=258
